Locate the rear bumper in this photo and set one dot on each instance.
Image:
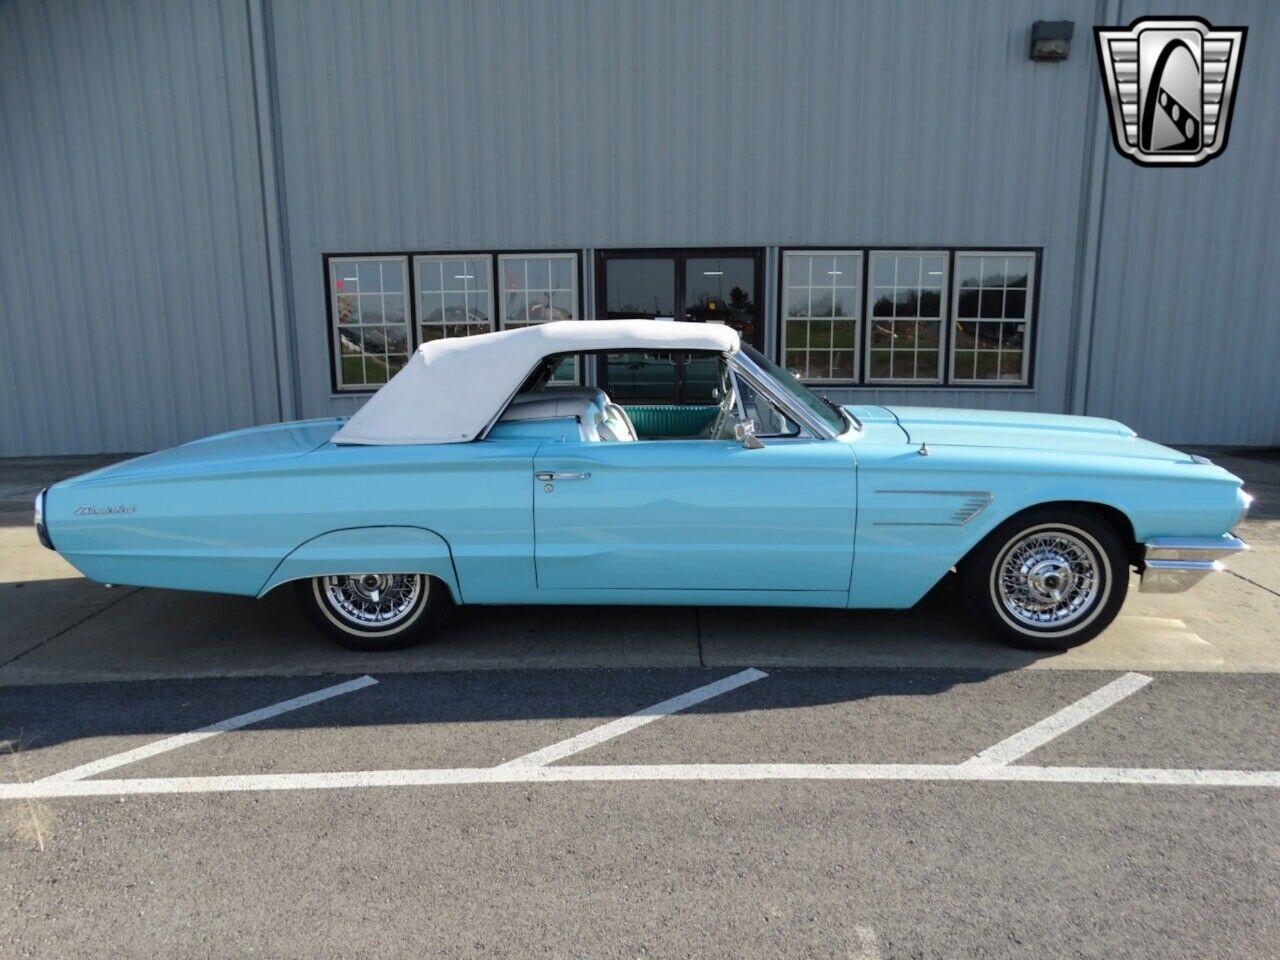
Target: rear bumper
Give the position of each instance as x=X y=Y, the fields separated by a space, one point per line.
x=42 y=532
x=1175 y=564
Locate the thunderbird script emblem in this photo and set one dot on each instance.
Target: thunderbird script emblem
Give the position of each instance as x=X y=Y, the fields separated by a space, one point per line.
x=1170 y=84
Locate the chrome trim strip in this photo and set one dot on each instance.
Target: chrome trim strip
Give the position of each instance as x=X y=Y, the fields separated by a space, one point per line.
x=962 y=515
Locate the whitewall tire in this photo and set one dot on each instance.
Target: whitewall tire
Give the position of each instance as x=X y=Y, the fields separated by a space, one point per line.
x=375 y=611
x=1048 y=579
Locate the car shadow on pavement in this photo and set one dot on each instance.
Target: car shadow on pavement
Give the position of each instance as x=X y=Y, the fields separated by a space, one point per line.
x=191 y=660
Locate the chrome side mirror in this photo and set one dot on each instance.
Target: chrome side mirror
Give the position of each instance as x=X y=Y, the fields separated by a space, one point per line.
x=744 y=431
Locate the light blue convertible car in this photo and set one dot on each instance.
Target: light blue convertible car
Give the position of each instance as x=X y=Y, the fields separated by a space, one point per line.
x=474 y=476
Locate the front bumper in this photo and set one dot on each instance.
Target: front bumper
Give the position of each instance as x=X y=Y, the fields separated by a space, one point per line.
x=1175 y=564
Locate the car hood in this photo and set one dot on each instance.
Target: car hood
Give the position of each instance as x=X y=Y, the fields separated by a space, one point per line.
x=255 y=446
x=942 y=426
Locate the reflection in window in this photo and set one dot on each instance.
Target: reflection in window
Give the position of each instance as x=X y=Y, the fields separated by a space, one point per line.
x=642 y=288
x=537 y=288
x=904 y=324
x=820 y=314
x=454 y=296
x=992 y=305
x=370 y=317
x=718 y=290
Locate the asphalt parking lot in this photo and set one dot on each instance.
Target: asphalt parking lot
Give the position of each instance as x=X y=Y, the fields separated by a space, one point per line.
x=198 y=776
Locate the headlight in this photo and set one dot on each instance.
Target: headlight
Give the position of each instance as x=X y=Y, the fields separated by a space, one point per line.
x=41 y=532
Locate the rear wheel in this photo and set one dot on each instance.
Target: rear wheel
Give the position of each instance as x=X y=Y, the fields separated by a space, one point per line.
x=375 y=611
x=1048 y=579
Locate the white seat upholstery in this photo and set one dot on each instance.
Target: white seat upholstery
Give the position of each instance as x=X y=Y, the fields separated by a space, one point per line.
x=584 y=404
x=616 y=425
x=600 y=419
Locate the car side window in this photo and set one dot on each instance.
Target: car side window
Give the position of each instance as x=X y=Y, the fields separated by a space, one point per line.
x=764 y=413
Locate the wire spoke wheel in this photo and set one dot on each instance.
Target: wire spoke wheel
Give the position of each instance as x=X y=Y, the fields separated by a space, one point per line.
x=1049 y=579
x=372 y=600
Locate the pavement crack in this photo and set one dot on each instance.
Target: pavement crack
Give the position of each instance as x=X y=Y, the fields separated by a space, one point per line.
x=697 y=625
x=1274 y=593
x=69 y=627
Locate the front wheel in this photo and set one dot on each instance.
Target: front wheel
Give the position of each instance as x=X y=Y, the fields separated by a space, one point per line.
x=1048 y=579
x=375 y=611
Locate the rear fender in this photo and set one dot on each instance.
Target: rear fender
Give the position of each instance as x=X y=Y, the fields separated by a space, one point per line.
x=369 y=550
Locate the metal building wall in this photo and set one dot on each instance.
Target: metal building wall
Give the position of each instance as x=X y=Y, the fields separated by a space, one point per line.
x=135 y=309
x=170 y=176
x=546 y=124
x=1185 y=341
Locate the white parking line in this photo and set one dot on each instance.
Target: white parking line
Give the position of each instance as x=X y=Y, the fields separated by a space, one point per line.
x=709 y=772
x=1037 y=735
x=183 y=739
x=994 y=765
x=616 y=728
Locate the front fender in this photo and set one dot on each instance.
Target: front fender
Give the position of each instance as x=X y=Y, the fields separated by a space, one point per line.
x=369 y=550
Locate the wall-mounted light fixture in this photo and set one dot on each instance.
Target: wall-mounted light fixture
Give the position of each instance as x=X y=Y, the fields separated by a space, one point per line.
x=1051 y=39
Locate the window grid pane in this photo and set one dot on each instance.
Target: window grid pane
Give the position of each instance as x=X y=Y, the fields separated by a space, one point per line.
x=992 y=312
x=370 y=319
x=454 y=296
x=537 y=288
x=820 y=314
x=905 y=316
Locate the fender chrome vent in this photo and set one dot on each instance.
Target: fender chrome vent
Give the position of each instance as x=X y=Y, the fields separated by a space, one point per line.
x=970 y=508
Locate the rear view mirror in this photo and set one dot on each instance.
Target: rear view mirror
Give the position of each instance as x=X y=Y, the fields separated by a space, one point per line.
x=744 y=431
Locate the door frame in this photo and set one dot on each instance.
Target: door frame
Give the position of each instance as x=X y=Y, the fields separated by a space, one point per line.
x=681 y=256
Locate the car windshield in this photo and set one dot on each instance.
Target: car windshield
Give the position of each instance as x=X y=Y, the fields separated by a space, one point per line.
x=792 y=385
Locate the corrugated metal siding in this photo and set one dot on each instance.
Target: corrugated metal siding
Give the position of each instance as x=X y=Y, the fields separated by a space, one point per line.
x=583 y=124
x=1186 y=342
x=134 y=289
x=134 y=303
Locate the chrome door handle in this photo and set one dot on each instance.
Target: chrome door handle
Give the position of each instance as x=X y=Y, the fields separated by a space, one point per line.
x=562 y=476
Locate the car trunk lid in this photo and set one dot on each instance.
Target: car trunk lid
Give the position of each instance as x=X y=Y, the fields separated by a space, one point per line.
x=234 y=450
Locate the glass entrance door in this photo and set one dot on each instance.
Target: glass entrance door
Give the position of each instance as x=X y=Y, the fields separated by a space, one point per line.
x=689 y=286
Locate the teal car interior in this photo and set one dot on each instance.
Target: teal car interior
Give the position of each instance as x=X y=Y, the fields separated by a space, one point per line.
x=755 y=492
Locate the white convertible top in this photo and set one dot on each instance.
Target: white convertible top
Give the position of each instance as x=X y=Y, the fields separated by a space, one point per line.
x=451 y=389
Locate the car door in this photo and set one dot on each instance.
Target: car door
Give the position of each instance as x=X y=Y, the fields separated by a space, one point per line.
x=694 y=515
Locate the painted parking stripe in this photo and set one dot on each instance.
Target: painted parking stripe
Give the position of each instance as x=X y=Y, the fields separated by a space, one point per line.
x=616 y=728
x=183 y=739
x=711 y=772
x=1054 y=725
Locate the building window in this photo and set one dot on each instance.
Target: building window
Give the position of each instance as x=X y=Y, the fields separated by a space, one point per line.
x=537 y=287
x=455 y=296
x=820 y=313
x=370 y=319
x=992 y=318
x=904 y=326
